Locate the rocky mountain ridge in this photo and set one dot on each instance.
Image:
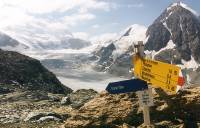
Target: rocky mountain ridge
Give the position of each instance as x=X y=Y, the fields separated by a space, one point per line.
x=173 y=38
x=180 y=26
x=38 y=42
x=22 y=72
x=8 y=43
x=115 y=56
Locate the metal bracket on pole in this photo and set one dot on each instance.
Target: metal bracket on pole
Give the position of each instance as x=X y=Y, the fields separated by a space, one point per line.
x=139 y=49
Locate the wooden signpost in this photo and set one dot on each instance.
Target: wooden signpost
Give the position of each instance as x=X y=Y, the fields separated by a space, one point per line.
x=146 y=71
x=158 y=74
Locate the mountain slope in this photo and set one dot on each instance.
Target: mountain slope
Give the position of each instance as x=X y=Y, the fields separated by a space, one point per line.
x=115 y=55
x=27 y=74
x=8 y=43
x=180 y=26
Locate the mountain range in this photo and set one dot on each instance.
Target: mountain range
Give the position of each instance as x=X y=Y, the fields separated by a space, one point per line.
x=31 y=41
x=174 y=37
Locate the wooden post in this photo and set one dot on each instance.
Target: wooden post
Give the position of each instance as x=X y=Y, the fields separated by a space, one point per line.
x=146 y=116
x=140 y=50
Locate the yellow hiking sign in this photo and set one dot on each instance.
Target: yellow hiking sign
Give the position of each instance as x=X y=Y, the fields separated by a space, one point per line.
x=157 y=73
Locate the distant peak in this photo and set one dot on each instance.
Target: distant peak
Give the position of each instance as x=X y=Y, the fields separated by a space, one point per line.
x=183 y=5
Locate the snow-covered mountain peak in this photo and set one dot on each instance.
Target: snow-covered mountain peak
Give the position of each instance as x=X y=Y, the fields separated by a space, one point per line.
x=132 y=34
x=133 y=30
x=183 y=5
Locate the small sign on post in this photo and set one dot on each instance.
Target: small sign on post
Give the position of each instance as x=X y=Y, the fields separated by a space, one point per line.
x=145 y=101
x=145 y=98
x=126 y=86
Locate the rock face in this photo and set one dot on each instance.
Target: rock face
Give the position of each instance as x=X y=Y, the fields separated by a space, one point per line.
x=28 y=73
x=180 y=25
x=105 y=56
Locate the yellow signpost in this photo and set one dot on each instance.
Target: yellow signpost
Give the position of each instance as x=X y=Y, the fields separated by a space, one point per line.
x=156 y=73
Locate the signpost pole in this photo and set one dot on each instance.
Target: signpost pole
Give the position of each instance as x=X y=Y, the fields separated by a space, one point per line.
x=146 y=115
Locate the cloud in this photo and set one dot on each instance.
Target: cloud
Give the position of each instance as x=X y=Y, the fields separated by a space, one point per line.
x=48 y=6
x=140 y=5
x=76 y=18
x=81 y=35
x=95 y=26
x=47 y=18
x=104 y=37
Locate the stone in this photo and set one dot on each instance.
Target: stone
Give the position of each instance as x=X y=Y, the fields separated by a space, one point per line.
x=42 y=116
x=65 y=100
x=49 y=118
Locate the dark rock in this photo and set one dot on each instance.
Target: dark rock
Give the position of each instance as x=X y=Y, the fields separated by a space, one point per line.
x=127 y=33
x=5 y=90
x=6 y=41
x=182 y=27
x=104 y=54
x=169 y=56
x=159 y=36
x=29 y=73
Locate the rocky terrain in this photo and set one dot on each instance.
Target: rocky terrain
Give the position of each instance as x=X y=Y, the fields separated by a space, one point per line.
x=25 y=86
x=89 y=109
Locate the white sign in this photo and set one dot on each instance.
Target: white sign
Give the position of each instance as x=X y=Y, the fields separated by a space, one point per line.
x=145 y=98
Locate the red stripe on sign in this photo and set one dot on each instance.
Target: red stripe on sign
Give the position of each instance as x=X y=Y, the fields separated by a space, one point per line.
x=181 y=81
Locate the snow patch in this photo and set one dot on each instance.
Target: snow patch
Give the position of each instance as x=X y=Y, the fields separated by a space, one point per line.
x=190 y=64
x=170 y=45
x=137 y=33
x=165 y=24
x=151 y=54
